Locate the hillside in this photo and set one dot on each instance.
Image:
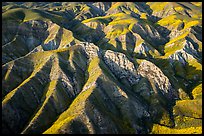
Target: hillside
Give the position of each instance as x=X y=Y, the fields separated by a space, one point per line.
x=102 y=67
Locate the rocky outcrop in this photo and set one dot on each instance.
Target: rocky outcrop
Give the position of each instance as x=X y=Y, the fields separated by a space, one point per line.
x=142 y=49
x=91 y=50
x=154 y=74
x=121 y=66
x=104 y=6
x=101 y=67
x=187 y=55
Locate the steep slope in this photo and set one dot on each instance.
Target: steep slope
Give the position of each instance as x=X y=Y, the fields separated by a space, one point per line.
x=101 y=67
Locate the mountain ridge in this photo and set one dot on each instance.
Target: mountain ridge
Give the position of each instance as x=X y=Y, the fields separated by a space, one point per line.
x=101 y=67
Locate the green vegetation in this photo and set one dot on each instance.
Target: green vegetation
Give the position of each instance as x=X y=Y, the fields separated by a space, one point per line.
x=79 y=102
x=104 y=20
x=157 y=6
x=121 y=6
x=67 y=116
x=158 y=129
x=197 y=92
x=55 y=82
x=186 y=122
x=172 y=48
x=38 y=66
x=178 y=38
x=23 y=15
x=199 y=4
x=189 y=108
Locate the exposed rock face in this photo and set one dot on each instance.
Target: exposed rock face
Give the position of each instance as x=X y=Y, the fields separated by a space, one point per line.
x=101 y=67
x=142 y=49
x=121 y=66
x=154 y=74
x=189 y=48
x=90 y=49
x=182 y=56
x=104 y=6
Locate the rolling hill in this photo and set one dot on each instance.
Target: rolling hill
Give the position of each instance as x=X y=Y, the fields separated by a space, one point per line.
x=102 y=67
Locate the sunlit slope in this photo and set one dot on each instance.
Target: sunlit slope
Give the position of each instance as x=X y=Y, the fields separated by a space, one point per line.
x=102 y=67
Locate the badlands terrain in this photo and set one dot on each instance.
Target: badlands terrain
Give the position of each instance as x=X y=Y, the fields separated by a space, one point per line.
x=102 y=67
